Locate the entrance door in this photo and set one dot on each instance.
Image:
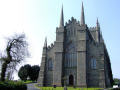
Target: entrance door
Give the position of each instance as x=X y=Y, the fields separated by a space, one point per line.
x=71 y=80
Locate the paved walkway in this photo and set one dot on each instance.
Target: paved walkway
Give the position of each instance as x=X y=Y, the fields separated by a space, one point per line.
x=31 y=86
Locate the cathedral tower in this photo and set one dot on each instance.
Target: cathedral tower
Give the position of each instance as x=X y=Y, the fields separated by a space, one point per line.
x=59 y=53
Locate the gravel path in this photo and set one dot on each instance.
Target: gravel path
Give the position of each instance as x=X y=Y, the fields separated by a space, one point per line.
x=31 y=86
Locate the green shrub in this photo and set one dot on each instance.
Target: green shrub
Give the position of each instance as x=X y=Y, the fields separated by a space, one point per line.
x=115 y=89
x=11 y=85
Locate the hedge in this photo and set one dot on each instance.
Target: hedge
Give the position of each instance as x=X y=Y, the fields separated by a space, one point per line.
x=115 y=89
x=11 y=85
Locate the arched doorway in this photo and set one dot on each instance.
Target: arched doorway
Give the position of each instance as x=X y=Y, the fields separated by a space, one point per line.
x=71 y=80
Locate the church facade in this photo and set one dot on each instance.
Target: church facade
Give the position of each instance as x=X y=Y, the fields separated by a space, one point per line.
x=78 y=57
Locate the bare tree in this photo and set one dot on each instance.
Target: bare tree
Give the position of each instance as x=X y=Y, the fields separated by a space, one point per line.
x=15 y=52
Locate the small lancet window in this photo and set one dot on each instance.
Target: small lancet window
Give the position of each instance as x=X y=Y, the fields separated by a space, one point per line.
x=93 y=63
x=50 y=65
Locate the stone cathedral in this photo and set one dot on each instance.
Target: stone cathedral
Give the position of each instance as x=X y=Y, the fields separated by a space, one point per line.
x=78 y=56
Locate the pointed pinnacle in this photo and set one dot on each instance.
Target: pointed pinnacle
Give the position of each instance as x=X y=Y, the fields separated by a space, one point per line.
x=97 y=23
x=62 y=18
x=45 y=43
x=82 y=15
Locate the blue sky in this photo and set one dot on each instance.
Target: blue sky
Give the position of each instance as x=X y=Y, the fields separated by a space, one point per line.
x=39 y=18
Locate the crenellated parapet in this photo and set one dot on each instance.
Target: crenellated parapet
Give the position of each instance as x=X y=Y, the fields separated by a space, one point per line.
x=92 y=28
x=72 y=21
x=50 y=46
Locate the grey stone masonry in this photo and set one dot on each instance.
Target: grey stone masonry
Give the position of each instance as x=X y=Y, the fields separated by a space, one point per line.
x=81 y=56
x=41 y=78
x=57 y=73
x=78 y=56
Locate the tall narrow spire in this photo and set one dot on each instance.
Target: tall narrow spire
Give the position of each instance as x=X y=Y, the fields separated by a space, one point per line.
x=45 y=43
x=97 y=24
x=97 y=31
x=82 y=15
x=62 y=18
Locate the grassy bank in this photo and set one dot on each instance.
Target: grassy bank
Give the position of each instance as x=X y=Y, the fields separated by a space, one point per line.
x=68 y=88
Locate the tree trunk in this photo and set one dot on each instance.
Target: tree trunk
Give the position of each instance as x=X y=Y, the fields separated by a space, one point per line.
x=4 y=68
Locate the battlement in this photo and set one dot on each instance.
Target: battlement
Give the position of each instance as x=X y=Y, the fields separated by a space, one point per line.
x=92 y=28
x=50 y=46
x=72 y=20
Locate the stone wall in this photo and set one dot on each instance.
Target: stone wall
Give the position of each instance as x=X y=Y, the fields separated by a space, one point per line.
x=89 y=47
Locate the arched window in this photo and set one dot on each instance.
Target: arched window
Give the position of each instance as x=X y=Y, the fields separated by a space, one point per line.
x=93 y=63
x=50 y=65
x=70 y=56
x=70 y=49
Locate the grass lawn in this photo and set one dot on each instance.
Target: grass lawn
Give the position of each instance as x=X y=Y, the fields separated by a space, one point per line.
x=27 y=82
x=68 y=88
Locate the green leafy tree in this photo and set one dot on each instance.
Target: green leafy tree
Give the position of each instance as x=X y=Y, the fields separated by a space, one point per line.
x=116 y=81
x=24 y=72
x=28 y=68
x=34 y=72
x=15 y=52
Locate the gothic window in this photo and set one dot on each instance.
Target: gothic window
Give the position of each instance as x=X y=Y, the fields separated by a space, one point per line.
x=93 y=63
x=70 y=49
x=70 y=55
x=50 y=65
